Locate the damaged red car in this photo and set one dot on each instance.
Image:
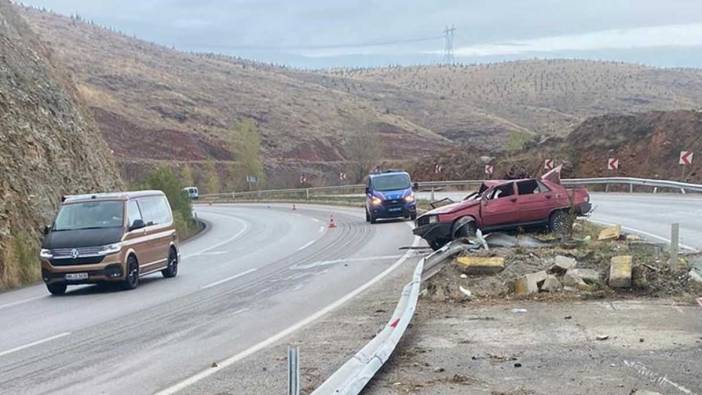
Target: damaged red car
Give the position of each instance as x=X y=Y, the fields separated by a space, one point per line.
x=506 y=205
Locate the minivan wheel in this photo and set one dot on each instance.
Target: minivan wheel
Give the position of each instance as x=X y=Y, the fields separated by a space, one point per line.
x=132 y=280
x=172 y=269
x=367 y=216
x=371 y=219
x=57 y=288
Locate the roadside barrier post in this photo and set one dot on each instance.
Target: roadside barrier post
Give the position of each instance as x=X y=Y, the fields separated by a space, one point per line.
x=674 y=245
x=293 y=370
x=431 y=197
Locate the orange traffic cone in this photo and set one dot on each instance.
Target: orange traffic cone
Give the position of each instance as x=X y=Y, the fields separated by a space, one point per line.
x=332 y=223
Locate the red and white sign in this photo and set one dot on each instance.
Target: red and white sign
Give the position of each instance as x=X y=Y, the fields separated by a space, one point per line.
x=548 y=164
x=686 y=158
x=303 y=179
x=489 y=169
x=612 y=164
x=342 y=176
x=438 y=169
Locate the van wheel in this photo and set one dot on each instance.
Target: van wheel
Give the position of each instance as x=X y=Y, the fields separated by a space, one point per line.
x=172 y=269
x=367 y=216
x=132 y=280
x=561 y=223
x=371 y=219
x=57 y=288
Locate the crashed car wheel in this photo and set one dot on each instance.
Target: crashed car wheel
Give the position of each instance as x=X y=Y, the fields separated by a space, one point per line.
x=464 y=228
x=561 y=223
x=436 y=244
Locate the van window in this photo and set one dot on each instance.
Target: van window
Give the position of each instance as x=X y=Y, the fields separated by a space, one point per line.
x=155 y=210
x=390 y=182
x=90 y=215
x=133 y=212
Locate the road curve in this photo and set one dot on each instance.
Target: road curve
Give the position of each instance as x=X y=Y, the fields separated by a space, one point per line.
x=258 y=271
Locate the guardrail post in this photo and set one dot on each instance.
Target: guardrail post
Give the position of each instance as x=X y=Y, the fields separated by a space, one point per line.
x=631 y=188
x=431 y=196
x=307 y=194
x=293 y=371
x=674 y=245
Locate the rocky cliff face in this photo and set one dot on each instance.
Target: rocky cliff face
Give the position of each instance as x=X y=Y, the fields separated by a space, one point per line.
x=48 y=146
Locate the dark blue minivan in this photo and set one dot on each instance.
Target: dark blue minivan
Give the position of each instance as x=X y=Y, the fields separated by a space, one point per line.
x=389 y=195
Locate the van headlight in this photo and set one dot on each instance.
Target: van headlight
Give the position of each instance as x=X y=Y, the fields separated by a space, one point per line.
x=46 y=254
x=110 y=249
x=376 y=201
x=409 y=198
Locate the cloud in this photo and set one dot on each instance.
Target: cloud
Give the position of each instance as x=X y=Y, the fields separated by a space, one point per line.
x=687 y=35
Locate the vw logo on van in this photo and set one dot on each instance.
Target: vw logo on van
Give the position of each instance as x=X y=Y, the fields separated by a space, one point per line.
x=74 y=253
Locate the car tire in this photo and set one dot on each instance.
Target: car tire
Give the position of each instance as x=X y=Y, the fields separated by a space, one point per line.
x=367 y=216
x=436 y=244
x=372 y=219
x=132 y=279
x=464 y=228
x=172 y=269
x=413 y=216
x=561 y=223
x=57 y=288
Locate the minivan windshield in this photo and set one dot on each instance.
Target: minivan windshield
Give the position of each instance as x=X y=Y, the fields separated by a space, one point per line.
x=391 y=182
x=90 y=215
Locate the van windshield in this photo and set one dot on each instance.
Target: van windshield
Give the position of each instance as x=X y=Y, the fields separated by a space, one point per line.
x=90 y=215
x=391 y=182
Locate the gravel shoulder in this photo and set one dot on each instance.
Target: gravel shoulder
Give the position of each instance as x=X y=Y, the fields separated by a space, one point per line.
x=547 y=348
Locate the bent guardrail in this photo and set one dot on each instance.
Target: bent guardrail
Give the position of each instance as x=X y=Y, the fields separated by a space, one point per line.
x=357 y=190
x=354 y=375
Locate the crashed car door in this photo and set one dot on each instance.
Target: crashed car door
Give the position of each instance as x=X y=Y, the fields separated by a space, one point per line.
x=499 y=206
x=535 y=201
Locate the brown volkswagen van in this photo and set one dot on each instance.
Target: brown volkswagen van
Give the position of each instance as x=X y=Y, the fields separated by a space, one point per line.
x=109 y=237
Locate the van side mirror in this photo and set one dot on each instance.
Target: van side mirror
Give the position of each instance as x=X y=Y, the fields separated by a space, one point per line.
x=415 y=186
x=367 y=190
x=47 y=229
x=137 y=224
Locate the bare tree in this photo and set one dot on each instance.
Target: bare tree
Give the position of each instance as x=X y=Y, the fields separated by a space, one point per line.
x=363 y=149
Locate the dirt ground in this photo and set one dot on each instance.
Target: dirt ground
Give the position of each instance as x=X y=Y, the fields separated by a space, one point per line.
x=532 y=347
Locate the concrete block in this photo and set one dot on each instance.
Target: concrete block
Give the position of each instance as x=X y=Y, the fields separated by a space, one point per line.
x=480 y=265
x=581 y=278
x=620 y=271
x=610 y=233
x=563 y=263
x=551 y=284
x=529 y=284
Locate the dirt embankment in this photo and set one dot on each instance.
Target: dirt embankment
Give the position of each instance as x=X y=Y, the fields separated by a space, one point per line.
x=50 y=146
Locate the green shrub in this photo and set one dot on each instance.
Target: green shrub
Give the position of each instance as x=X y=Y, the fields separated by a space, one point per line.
x=163 y=179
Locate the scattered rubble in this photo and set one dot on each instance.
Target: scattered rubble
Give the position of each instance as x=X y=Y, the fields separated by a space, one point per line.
x=595 y=263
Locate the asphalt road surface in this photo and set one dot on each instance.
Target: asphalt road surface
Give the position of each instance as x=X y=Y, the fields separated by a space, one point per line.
x=646 y=214
x=259 y=273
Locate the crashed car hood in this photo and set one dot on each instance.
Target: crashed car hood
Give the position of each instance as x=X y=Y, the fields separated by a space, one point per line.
x=449 y=208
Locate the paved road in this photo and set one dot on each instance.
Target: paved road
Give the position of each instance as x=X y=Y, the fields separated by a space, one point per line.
x=258 y=272
x=647 y=214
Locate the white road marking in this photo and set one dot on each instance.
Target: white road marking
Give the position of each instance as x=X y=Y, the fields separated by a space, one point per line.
x=224 y=280
x=643 y=232
x=282 y=334
x=335 y=261
x=23 y=301
x=36 y=343
x=214 y=253
x=654 y=377
x=212 y=247
x=321 y=229
x=307 y=245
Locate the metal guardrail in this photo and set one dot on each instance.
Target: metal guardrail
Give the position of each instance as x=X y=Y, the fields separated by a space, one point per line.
x=356 y=189
x=354 y=375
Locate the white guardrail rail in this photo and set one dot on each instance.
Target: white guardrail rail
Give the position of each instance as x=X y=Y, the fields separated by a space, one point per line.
x=356 y=190
x=354 y=375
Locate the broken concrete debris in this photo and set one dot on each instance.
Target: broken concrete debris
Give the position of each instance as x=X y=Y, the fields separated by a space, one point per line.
x=480 y=265
x=620 y=271
x=695 y=276
x=610 y=233
x=562 y=264
x=602 y=337
x=529 y=284
x=551 y=284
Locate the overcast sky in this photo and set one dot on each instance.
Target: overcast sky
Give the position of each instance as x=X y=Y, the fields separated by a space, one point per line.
x=328 y=33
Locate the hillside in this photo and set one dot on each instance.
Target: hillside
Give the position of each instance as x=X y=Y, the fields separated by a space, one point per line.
x=156 y=104
x=647 y=145
x=50 y=147
x=547 y=97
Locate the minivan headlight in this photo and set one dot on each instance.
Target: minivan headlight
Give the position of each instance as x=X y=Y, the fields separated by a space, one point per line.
x=46 y=254
x=409 y=198
x=376 y=201
x=111 y=249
